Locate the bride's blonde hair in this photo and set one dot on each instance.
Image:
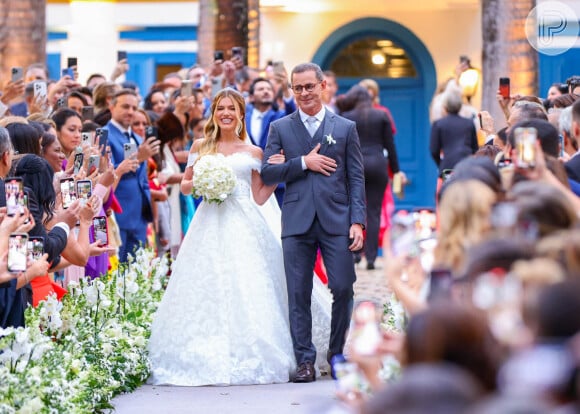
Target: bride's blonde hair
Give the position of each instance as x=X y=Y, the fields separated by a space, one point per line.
x=212 y=131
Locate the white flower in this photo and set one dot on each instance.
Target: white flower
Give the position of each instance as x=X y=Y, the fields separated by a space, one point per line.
x=213 y=179
x=32 y=406
x=329 y=139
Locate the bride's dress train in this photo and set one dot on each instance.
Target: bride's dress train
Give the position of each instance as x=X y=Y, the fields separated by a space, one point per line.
x=224 y=317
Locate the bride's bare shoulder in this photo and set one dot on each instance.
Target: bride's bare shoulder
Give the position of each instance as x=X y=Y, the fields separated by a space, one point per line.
x=255 y=151
x=195 y=147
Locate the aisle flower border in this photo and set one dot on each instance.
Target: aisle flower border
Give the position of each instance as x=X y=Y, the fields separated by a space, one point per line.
x=75 y=356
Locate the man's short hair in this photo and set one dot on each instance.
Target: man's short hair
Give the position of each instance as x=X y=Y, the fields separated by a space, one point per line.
x=254 y=82
x=123 y=92
x=305 y=67
x=5 y=143
x=565 y=120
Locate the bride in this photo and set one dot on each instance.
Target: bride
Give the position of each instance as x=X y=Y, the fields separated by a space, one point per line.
x=224 y=317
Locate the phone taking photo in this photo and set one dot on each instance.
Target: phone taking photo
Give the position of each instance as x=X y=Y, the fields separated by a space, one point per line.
x=67 y=191
x=102 y=137
x=40 y=90
x=84 y=190
x=35 y=248
x=101 y=230
x=14 y=190
x=121 y=55
x=88 y=113
x=93 y=164
x=17 y=252
x=71 y=61
x=129 y=149
x=504 y=88
x=78 y=162
x=17 y=74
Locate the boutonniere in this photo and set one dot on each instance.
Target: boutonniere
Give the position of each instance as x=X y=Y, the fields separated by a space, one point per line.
x=329 y=139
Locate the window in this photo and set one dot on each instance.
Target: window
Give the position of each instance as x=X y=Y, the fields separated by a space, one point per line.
x=373 y=58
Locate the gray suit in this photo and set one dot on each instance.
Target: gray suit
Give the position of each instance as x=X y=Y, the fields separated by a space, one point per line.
x=317 y=213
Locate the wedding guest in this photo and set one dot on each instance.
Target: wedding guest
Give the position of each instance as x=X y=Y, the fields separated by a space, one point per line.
x=132 y=189
x=375 y=134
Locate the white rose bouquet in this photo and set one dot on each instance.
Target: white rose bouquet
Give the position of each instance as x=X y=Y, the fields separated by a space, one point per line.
x=213 y=179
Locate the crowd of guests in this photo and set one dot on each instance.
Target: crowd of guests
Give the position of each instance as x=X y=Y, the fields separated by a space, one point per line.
x=492 y=305
x=131 y=151
x=492 y=297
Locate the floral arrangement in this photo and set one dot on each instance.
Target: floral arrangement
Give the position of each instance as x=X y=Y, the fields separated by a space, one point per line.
x=74 y=356
x=213 y=179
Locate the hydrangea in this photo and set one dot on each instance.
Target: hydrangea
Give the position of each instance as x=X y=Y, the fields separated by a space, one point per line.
x=213 y=178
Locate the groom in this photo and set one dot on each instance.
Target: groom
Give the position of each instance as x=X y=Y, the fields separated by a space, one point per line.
x=324 y=207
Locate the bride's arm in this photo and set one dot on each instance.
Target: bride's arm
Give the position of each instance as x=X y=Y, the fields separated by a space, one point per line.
x=261 y=191
x=187 y=180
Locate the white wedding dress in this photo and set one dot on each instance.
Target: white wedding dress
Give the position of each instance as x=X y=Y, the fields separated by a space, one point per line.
x=224 y=317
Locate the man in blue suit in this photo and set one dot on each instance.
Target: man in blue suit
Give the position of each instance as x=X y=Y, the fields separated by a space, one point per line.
x=324 y=207
x=260 y=114
x=132 y=191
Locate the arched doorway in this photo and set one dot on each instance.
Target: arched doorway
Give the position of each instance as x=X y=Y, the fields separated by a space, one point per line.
x=407 y=79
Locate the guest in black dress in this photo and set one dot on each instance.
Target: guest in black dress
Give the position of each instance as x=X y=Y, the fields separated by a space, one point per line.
x=376 y=137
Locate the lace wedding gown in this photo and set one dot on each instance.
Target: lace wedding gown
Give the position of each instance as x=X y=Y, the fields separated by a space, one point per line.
x=224 y=317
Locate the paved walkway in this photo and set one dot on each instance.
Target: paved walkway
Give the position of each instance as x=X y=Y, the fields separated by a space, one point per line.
x=317 y=397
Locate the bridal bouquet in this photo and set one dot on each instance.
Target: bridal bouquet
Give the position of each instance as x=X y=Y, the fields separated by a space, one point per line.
x=213 y=178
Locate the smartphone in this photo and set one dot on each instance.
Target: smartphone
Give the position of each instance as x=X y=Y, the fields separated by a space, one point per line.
x=40 y=89
x=218 y=55
x=24 y=205
x=121 y=55
x=71 y=61
x=366 y=335
x=129 y=149
x=86 y=138
x=17 y=74
x=278 y=67
x=151 y=131
x=35 y=248
x=504 y=88
x=14 y=191
x=101 y=230
x=84 y=190
x=17 y=252
x=186 y=88
x=93 y=164
x=403 y=235
x=525 y=139
x=78 y=162
x=237 y=51
x=88 y=113
x=561 y=140
x=440 y=283
x=102 y=137
x=67 y=191
x=67 y=72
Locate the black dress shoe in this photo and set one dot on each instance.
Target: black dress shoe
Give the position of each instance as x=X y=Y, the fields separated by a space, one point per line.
x=305 y=373
x=357 y=258
x=370 y=266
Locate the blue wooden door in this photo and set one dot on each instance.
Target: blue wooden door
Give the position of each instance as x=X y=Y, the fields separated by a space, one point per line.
x=407 y=98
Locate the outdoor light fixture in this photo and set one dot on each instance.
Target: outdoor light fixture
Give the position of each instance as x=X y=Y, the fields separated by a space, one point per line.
x=378 y=57
x=469 y=78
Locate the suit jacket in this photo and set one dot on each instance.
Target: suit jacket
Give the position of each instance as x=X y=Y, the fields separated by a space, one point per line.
x=455 y=137
x=375 y=133
x=269 y=116
x=338 y=201
x=133 y=190
x=573 y=168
